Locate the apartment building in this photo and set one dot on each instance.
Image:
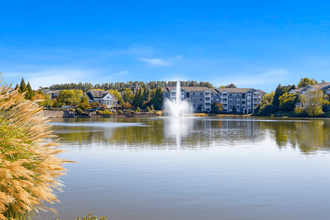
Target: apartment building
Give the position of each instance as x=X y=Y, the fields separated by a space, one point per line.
x=240 y=100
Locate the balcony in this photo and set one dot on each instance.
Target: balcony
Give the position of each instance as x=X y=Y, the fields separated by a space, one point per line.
x=207 y=94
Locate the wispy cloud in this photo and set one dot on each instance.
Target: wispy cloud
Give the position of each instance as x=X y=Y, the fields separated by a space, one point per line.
x=159 y=61
x=156 y=61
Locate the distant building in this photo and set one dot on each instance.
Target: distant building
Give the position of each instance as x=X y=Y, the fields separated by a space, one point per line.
x=52 y=93
x=245 y=100
x=102 y=97
x=324 y=87
x=311 y=91
x=201 y=98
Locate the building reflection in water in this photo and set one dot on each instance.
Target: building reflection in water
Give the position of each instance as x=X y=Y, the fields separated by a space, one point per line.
x=193 y=133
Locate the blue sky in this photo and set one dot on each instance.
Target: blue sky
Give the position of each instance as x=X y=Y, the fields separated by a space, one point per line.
x=249 y=43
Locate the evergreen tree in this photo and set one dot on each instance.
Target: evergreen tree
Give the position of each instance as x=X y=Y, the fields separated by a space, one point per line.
x=22 y=87
x=16 y=87
x=29 y=93
x=158 y=99
x=146 y=93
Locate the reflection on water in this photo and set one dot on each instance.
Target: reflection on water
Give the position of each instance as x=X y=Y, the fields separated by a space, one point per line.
x=194 y=133
x=195 y=168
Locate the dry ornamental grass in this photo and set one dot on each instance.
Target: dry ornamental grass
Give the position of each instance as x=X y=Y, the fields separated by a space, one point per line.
x=29 y=166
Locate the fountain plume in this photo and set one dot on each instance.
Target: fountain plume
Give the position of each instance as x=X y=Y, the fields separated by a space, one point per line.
x=176 y=107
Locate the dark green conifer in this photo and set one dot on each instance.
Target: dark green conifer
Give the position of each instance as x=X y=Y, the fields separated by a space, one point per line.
x=29 y=94
x=22 y=87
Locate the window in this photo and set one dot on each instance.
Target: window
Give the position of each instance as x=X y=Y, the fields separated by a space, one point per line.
x=173 y=93
x=193 y=93
x=230 y=94
x=194 y=104
x=237 y=94
x=201 y=93
x=230 y=106
x=225 y=110
x=243 y=95
x=194 y=100
x=188 y=94
x=237 y=106
x=201 y=99
x=243 y=102
x=217 y=94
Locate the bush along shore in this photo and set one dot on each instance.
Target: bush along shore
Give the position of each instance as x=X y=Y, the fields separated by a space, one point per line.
x=72 y=113
x=285 y=102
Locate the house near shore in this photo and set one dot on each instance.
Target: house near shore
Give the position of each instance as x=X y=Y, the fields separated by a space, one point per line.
x=241 y=100
x=324 y=87
x=52 y=93
x=311 y=91
x=102 y=97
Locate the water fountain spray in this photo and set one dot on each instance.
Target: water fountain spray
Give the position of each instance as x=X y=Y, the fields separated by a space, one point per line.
x=176 y=107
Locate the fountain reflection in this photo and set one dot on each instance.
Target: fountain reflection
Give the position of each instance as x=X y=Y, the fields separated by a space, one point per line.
x=177 y=129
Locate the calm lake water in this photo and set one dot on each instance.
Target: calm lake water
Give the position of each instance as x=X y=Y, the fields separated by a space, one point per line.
x=195 y=168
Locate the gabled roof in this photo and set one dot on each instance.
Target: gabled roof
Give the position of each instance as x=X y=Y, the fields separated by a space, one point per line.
x=164 y=89
x=236 y=90
x=261 y=91
x=87 y=96
x=50 y=91
x=92 y=94
x=297 y=90
x=320 y=86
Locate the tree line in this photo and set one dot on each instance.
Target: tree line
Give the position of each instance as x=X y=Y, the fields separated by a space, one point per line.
x=132 y=85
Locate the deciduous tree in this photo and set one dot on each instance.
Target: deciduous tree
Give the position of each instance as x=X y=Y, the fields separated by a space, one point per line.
x=306 y=82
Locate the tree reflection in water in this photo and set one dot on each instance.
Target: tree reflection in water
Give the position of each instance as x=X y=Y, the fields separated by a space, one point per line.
x=194 y=133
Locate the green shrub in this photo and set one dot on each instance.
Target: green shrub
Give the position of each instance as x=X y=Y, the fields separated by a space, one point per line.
x=120 y=112
x=107 y=112
x=84 y=106
x=99 y=112
x=266 y=110
x=133 y=112
x=152 y=107
x=327 y=114
x=72 y=110
x=89 y=217
x=148 y=109
x=138 y=109
x=79 y=111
